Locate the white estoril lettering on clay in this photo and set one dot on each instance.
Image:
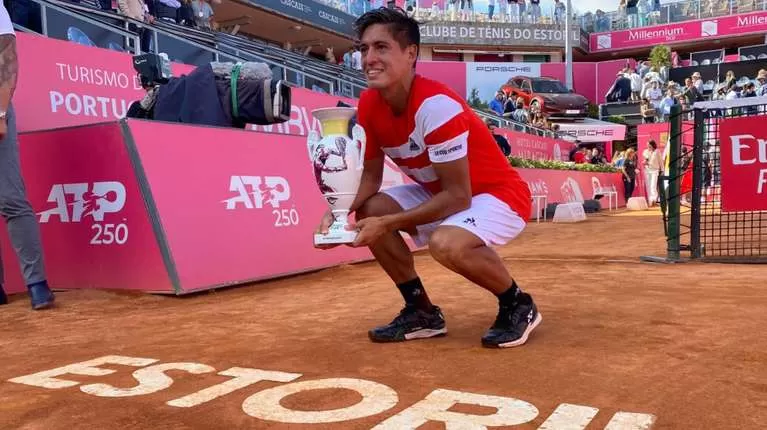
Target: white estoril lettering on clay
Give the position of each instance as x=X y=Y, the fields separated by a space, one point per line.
x=243 y=377
x=46 y=378
x=569 y=417
x=435 y=407
x=376 y=398
x=150 y=380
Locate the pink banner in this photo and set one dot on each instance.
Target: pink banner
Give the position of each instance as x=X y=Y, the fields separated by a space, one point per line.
x=93 y=219
x=246 y=211
x=534 y=147
x=743 y=164
x=714 y=28
x=591 y=80
x=564 y=186
x=63 y=83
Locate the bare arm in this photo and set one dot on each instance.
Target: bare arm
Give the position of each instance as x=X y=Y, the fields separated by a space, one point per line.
x=9 y=69
x=372 y=177
x=454 y=197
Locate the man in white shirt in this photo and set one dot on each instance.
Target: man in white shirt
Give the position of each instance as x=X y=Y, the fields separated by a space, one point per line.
x=653 y=163
x=14 y=205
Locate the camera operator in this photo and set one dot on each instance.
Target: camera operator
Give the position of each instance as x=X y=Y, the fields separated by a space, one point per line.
x=14 y=205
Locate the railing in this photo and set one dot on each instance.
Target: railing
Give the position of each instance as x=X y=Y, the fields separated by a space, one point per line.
x=516 y=126
x=299 y=70
x=453 y=13
x=651 y=12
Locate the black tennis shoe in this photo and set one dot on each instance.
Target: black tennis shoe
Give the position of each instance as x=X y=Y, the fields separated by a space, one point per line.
x=513 y=325
x=410 y=324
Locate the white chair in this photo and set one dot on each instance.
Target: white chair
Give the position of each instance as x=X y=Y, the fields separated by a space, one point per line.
x=611 y=194
x=538 y=198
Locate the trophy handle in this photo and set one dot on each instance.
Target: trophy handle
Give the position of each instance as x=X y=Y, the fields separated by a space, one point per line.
x=358 y=133
x=312 y=140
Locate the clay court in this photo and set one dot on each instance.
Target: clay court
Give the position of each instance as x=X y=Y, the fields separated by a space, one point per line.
x=682 y=343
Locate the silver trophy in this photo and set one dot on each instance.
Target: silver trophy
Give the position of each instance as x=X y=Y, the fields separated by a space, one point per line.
x=338 y=160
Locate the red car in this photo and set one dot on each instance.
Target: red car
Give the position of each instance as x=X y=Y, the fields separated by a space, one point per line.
x=549 y=95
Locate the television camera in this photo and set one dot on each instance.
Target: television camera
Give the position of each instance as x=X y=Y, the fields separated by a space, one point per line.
x=216 y=94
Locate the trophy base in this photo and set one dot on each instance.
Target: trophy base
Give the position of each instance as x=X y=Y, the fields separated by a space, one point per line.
x=337 y=234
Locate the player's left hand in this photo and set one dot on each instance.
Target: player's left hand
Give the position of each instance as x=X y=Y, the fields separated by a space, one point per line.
x=369 y=231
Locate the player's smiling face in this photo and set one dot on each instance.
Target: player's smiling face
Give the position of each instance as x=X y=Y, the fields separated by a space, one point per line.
x=384 y=61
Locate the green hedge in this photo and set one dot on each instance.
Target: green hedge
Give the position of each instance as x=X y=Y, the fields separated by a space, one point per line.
x=560 y=165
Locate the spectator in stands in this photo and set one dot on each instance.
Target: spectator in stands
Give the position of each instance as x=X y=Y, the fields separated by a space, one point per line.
x=514 y=11
x=15 y=208
x=509 y=105
x=621 y=89
x=697 y=81
x=761 y=78
x=654 y=75
x=139 y=11
x=597 y=156
x=643 y=9
x=503 y=143
x=665 y=105
x=496 y=104
x=734 y=92
x=165 y=10
x=330 y=56
x=636 y=84
x=521 y=115
x=632 y=13
x=648 y=111
x=348 y=57
x=559 y=12
x=729 y=80
x=580 y=156
x=690 y=94
x=203 y=14
x=629 y=170
x=535 y=11
x=186 y=14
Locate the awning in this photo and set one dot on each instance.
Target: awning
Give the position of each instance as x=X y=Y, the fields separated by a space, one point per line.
x=592 y=130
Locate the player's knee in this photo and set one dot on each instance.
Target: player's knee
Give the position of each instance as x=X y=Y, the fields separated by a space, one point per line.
x=445 y=248
x=378 y=205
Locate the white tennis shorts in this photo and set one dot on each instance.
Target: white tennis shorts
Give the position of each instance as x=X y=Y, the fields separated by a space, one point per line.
x=488 y=218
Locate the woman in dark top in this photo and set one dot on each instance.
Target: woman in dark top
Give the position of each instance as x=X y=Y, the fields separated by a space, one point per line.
x=629 y=173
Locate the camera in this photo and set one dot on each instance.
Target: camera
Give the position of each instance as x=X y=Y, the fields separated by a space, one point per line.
x=152 y=69
x=216 y=94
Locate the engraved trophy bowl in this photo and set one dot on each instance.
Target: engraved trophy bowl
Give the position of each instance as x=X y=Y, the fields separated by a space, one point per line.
x=337 y=159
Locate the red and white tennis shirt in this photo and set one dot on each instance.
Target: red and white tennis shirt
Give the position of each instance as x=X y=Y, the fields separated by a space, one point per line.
x=439 y=126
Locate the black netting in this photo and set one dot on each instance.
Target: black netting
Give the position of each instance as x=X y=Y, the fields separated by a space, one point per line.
x=717 y=235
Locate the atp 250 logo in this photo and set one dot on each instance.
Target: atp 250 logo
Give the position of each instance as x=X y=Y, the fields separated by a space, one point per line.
x=255 y=192
x=89 y=202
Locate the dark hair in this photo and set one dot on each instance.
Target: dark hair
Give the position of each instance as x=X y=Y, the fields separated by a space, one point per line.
x=653 y=145
x=404 y=29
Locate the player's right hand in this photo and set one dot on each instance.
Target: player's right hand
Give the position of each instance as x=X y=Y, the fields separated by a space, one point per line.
x=327 y=220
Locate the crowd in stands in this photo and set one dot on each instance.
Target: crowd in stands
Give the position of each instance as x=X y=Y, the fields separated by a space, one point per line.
x=641 y=13
x=511 y=11
x=525 y=119
x=657 y=94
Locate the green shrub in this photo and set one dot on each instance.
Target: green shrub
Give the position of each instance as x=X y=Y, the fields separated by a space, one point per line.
x=560 y=165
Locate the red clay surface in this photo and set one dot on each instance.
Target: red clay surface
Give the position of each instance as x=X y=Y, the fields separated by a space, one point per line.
x=682 y=342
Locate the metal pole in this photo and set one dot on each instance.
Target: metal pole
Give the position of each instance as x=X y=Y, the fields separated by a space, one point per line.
x=698 y=170
x=674 y=180
x=568 y=49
